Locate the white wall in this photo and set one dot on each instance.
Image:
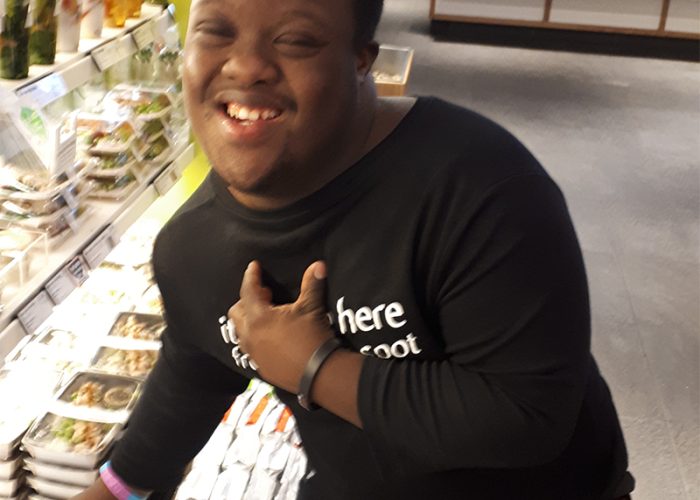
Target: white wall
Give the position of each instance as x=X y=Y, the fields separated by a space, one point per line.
x=684 y=15
x=522 y=10
x=641 y=14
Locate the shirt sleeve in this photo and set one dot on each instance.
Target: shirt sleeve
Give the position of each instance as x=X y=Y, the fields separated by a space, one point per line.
x=183 y=400
x=506 y=284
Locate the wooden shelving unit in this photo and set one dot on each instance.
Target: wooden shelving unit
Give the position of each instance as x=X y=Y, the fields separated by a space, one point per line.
x=656 y=18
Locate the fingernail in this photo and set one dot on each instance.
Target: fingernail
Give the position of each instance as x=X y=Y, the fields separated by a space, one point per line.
x=320 y=271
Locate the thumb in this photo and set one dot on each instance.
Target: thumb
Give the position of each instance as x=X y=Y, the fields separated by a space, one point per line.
x=313 y=289
x=252 y=291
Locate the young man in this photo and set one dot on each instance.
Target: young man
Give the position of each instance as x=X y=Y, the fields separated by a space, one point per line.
x=436 y=245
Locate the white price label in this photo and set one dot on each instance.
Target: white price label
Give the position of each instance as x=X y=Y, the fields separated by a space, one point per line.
x=165 y=181
x=60 y=286
x=143 y=35
x=43 y=92
x=35 y=313
x=107 y=55
x=96 y=251
x=77 y=270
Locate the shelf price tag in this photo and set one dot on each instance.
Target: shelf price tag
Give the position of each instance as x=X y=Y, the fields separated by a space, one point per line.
x=77 y=270
x=107 y=55
x=96 y=251
x=43 y=92
x=166 y=180
x=35 y=313
x=60 y=286
x=143 y=35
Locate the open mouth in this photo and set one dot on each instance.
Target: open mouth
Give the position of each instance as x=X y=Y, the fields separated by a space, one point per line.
x=248 y=115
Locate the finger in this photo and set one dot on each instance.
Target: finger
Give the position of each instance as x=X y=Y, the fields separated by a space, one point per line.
x=313 y=288
x=252 y=290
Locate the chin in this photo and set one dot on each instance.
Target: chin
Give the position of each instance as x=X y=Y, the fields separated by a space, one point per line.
x=251 y=178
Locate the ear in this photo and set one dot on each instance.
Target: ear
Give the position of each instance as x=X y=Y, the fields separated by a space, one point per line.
x=365 y=57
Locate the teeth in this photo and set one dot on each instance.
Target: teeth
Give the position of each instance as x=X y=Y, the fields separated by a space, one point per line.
x=243 y=113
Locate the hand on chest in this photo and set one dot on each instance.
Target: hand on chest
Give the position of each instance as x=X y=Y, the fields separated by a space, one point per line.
x=372 y=314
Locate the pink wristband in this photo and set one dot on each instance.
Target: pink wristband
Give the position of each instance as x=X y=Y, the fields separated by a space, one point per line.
x=116 y=486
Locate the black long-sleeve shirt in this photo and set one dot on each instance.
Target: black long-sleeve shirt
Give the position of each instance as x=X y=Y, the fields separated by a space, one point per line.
x=454 y=267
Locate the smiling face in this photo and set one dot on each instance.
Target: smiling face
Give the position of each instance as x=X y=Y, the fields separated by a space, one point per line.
x=275 y=93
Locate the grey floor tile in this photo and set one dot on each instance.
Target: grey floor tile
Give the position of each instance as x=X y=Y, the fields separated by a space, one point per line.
x=665 y=297
x=616 y=342
x=652 y=461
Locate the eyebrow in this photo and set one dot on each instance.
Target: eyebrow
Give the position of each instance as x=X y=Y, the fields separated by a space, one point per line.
x=307 y=15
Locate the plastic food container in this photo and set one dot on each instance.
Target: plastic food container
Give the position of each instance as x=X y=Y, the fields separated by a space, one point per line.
x=23 y=393
x=391 y=70
x=93 y=19
x=115 y=142
x=101 y=391
x=130 y=362
x=10 y=438
x=62 y=340
x=146 y=104
x=14 y=36
x=69 y=17
x=138 y=326
x=135 y=8
x=114 y=189
x=56 y=350
x=157 y=152
x=112 y=166
x=102 y=135
x=116 y=12
x=151 y=130
x=52 y=224
x=151 y=302
x=8 y=488
x=9 y=467
x=67 y=475
x=68 y=441
x=42 y=38
x=53 y=489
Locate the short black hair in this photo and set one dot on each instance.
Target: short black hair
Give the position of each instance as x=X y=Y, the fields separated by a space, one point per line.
x=367 y=15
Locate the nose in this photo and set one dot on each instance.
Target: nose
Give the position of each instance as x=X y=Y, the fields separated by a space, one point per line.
x=248 y=65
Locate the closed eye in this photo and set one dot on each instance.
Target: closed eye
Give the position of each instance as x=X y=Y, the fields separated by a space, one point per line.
x=301 y=41
x=215 y=29
x=298 y=45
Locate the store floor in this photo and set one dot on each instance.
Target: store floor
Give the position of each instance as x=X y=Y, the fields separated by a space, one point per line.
x=621 y=136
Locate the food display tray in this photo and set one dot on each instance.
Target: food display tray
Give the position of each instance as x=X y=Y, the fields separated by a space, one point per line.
x=9 y=467
x=58 y=473
x=9 y=488
x=127 y=326
x=115 y=360
x=40 y=438
x=116 y=392
x=53 y=489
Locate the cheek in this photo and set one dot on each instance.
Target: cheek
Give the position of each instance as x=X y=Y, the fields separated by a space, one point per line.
x=328 y=93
